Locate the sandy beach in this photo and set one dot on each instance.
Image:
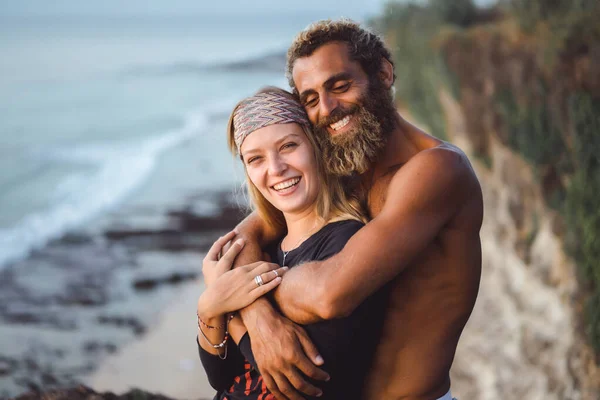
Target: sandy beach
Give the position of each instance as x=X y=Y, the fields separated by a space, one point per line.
x=165 y=360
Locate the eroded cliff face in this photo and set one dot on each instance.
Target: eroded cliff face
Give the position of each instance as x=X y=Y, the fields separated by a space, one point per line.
x=524 y=339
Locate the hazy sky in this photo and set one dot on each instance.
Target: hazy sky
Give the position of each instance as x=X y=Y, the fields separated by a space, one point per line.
x=187 y=7
x=162 y=7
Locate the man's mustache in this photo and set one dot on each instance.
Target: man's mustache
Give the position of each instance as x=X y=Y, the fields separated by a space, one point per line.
x=336 y=115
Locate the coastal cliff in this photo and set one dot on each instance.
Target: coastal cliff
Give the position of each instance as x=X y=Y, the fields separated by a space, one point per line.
x=524 y=338
x=517 y=87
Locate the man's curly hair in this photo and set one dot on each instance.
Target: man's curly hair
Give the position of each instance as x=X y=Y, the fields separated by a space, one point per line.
x=364 y=46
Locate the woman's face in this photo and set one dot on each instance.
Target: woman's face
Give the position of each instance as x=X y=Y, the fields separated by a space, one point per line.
x=279 y=160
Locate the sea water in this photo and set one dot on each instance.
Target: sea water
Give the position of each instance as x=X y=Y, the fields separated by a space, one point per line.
x=101 y=112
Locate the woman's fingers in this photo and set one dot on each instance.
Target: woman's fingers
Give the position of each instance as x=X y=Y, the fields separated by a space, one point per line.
x=215 y=249
x=264 y=288
x=266 y=273
x=234 y=250
x=266 y=267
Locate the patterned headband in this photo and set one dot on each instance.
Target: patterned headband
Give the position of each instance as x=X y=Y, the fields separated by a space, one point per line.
x=265 y=109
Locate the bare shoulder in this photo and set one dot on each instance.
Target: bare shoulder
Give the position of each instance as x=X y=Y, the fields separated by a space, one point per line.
x=442 y=164
x=440 y=177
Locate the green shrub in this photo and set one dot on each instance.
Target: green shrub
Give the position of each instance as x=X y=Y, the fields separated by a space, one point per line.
x=420 y=70
x=583 y=203
x=457 y=12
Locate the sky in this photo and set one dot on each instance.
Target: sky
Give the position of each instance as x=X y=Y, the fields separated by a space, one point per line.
x=190 y=7
x=183 y=7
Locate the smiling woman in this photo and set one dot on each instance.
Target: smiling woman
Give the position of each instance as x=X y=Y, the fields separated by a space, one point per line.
x=289 y=187
x=280 y=162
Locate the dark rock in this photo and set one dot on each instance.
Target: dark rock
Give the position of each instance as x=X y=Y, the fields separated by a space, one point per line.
x=82 y=392
x=173 y=279
x=227 y=219
x=267 y=62
x=124 y=234
x=7 y=365
x=97 y=347
x=45 y=319
x=73 y=239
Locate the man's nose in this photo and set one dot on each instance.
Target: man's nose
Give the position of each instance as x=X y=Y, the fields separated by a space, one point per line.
x=327 y=105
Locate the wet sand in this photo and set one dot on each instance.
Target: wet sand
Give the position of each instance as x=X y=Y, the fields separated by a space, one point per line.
x=163 y=361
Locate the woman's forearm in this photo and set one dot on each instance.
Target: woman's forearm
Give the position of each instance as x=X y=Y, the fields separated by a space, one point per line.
x=211 y=331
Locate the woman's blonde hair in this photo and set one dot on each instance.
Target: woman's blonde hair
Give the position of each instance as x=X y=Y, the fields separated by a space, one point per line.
x=333 y=203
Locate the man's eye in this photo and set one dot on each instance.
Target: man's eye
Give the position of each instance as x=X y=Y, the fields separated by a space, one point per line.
x=342 y=87
x=310 y=102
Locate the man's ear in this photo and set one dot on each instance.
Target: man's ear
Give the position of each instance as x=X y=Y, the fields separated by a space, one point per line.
x=386 y=73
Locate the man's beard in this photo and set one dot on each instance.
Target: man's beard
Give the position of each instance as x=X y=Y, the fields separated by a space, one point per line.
x=354 y=152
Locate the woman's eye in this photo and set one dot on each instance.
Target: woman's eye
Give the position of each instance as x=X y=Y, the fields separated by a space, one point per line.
x=253 y=159
x=289 y=145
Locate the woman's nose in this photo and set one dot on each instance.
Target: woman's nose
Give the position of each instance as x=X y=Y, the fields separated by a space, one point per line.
x=277 y=166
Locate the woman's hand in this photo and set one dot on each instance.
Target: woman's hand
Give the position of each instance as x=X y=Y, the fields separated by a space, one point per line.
x=230 y=290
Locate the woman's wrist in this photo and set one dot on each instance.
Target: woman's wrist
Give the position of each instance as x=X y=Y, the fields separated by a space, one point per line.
x=207 y=312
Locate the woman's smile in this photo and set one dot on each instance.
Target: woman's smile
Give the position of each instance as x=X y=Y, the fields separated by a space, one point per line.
x=288 y=186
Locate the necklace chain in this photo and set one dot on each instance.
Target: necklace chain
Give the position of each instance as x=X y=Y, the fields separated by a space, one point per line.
x=303 y=238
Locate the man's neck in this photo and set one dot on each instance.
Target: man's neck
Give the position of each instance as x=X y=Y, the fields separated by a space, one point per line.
x=403 y=143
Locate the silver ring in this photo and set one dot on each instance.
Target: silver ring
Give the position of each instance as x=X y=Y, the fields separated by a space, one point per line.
x=258 y=280
x=276 y=273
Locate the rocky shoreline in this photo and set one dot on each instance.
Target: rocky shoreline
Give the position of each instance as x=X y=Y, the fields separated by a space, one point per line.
x=82 y=392
x=80 y=298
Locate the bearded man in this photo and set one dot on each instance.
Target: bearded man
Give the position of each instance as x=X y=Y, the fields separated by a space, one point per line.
x=426 y=207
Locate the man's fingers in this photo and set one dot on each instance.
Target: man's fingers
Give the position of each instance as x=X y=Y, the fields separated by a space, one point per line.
x=234 y=250
x=272 y=386
x=308 y=368
x=286 y=390
x=311 y=370
x=215 y=249
x=300 y=383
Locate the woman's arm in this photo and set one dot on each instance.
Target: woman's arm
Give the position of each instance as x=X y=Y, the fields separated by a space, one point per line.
x=227 y=291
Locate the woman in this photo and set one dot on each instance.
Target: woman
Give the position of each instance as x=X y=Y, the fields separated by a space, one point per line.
x=289 y=188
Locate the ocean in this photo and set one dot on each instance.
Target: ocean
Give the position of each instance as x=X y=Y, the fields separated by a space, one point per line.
x=106 y=112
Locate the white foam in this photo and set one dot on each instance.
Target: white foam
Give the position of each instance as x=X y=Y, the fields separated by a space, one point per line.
x=117 y=170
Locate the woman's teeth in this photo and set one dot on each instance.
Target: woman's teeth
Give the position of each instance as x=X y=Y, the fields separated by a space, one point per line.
x=286 y=184
x=341 y=123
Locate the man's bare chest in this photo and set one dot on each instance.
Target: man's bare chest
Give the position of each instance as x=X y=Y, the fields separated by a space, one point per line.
x=377 y=193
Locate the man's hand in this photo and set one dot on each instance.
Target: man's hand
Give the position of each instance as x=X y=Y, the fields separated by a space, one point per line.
x=283 y=353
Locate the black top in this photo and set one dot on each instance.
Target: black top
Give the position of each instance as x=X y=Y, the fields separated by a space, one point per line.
x=346 y=344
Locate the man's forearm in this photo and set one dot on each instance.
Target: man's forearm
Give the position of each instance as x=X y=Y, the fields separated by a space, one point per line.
x=300 y=294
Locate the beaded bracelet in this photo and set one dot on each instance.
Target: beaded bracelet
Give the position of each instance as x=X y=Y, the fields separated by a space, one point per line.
x=213 y=327
x=221 y=345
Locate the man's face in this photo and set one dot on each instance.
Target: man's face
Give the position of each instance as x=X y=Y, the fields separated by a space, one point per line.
x=351 y=113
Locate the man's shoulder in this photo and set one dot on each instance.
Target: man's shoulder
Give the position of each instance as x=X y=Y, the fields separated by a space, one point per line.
x=446 y=161
x=444 y=154
x=440 y=176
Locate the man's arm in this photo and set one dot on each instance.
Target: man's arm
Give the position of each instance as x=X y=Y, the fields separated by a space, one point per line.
x=421 y=199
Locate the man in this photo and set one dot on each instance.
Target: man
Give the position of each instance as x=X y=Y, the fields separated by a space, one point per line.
x=427 y=210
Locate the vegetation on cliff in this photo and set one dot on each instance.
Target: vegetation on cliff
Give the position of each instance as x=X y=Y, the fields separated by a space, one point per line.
x=528 y=72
